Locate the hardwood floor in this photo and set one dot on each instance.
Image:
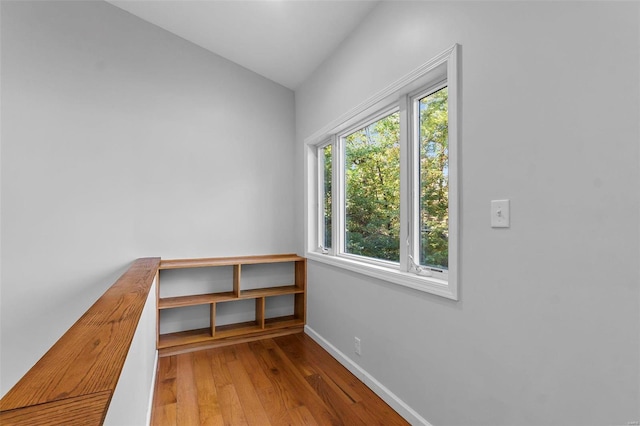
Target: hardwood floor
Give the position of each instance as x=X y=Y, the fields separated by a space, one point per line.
x=288 y=380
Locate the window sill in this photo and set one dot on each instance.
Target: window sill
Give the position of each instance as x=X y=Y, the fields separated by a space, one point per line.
x=425 y=284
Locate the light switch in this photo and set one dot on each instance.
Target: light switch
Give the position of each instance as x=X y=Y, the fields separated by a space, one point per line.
x=500 y=213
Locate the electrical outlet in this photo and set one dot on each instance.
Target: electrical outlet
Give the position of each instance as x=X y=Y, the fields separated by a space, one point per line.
x=358 y=348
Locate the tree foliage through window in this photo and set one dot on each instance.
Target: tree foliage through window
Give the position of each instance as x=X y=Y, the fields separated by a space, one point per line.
x=372 y=174
x=434 y=179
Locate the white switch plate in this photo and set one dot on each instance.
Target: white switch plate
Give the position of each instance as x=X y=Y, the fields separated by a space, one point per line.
x=500 y=213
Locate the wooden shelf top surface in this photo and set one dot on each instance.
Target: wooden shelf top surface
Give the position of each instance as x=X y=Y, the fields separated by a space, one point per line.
x=204 y=299
x=196 y=299
x=281 y=322
x=88 y=358
x=237 y=329
x=184 y=337
x=270 y=291
x=227 y=261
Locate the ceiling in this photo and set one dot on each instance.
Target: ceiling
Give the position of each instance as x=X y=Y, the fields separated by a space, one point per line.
x=282 y=40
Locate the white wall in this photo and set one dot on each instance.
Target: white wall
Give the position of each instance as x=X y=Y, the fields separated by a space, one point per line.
x=120 y=140
x=133 y=397
x=547 y=330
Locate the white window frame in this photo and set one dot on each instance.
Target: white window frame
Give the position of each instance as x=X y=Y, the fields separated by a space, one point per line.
x=413 y=154
x=442 y=70
x=320 y=196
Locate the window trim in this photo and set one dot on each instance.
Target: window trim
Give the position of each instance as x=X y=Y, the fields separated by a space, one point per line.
x=442 y=68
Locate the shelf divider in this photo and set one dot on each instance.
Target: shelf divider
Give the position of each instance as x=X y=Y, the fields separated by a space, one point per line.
x=237 y=272
x=260 y=304
x=212 y=320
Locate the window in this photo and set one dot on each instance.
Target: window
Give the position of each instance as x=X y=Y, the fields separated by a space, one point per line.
x=325 y=171
x=386 y=176
x=372 y=189
x=431 y=127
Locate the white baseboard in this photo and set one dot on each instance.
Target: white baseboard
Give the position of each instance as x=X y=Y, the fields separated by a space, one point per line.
x=387 y=396
x=153 y=387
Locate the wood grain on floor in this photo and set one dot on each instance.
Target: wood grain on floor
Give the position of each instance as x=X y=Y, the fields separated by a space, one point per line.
x=288 y=380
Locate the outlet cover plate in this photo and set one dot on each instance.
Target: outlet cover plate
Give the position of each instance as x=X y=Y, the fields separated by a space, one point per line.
x=500 y=214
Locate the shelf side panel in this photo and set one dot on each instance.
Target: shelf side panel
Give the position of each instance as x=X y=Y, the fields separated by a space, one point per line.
x=299 y=308
x=301 y=274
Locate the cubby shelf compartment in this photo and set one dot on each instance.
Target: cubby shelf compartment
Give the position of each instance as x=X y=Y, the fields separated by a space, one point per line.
x=262 y=325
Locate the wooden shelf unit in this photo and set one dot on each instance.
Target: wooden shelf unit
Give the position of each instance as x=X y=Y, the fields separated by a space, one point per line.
x=262 y=325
